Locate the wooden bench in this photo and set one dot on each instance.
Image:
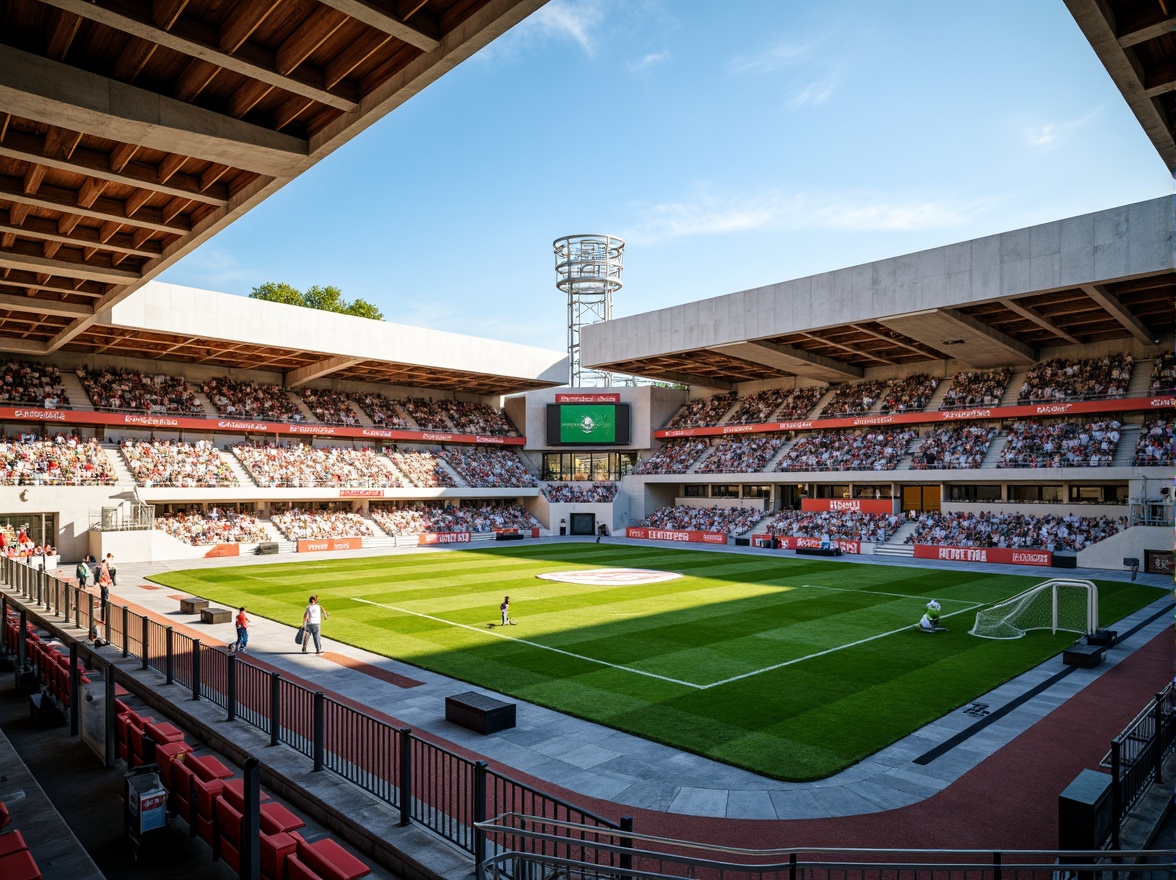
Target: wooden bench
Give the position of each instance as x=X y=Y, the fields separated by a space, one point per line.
x=192 y=605
x=215 y=615
x=1085 y=656
x=479 y=713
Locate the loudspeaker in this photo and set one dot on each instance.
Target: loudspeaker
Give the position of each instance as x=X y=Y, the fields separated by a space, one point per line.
x=1104 y=637
x=267 y=548
x=1130 y=562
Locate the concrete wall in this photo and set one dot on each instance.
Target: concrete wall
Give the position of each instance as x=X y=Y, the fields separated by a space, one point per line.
x=1110 y=553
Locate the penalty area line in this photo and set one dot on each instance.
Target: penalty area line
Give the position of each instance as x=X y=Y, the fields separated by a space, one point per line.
x=496 y=634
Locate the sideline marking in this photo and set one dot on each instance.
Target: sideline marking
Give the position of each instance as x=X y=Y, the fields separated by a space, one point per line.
x=689 y=684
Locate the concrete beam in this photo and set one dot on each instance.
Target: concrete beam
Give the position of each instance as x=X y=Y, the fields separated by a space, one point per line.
x=44 y=266
x=374 y=16
x=1031 y=314
x=1132 y=33
x=962 y=337
x=57 y=94
x=44 y=307
x=788 y=359
x=22 y=346
x=1119 y=312
x=681 y=378
x=299 y=377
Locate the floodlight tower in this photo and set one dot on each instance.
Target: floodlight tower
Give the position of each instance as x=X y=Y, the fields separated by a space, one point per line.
x=588 y=270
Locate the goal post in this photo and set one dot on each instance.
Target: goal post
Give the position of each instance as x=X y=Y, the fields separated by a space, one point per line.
x=1058 y=604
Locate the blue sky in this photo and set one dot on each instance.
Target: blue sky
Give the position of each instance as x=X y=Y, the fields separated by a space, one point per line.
x=730 y=144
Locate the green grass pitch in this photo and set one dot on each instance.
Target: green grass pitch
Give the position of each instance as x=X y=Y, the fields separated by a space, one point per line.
x=793 y=668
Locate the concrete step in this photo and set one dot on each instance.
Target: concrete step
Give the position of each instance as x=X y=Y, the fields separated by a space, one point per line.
x=892 y=549
x=1013 y=391
x=992 y=456
x=937 y=397
x=239 y=470
x=72 y=386
x=1140 y=384
x=1128 y=440
x=114 y=453
x=205 y=403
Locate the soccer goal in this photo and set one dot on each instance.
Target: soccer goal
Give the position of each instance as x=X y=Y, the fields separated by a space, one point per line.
x=1058 y=604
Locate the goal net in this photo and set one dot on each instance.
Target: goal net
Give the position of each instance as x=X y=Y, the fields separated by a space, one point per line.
x=1059 y=604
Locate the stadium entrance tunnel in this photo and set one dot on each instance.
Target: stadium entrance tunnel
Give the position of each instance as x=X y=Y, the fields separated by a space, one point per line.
x=583 y=523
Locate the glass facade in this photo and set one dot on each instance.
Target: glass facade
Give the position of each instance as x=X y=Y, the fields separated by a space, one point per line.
x=572 y=466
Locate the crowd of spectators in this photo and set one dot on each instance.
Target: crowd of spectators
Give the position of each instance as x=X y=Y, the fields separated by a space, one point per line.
x=854 y=398
x=836 y=525
x=675 y=457
x=732 y=520
x=420 y=518
x=1060 y=444
x=476 y=418
x=702 y=411
x=759 y=407
x=110 y=388
x=1163 y=375
x=251 y=400
x=1063 y=379
x=1155 y=443
x=32 y=383
x=958 y=446
x=329 y=407
x=580 y=492
x=173 y=463
x=801 y=402
x=299 y=466
x=66 y=460
x=199 y=530
x=314 y=525
x=741 y=455
x=380 y=410
x=427 y=413
x=871 y=449
x=18 y=545
x=422 y=469
x=1015 y=530
x=487 y=467
x=977 y=388
x=910 y=393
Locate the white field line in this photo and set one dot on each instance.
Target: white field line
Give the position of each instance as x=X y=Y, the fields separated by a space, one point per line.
x=490 y=632
x=689 y=684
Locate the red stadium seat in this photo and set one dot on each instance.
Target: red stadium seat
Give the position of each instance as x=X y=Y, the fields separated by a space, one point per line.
x=19 y=865
x=323 y=860
x=11 y=842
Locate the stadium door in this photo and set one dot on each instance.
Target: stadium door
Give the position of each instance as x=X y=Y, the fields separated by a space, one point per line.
x=583 y=523
x=924 y=499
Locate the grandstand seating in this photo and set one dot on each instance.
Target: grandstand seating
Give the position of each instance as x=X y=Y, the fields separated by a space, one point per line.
x=1063 y=379
x=854 y=398
x=837 y=525
x=580 y=492
x=702 y=411
x=174 y=463
x=732 y=520
x=381 y=410
x=329 y=407
x=200 y=530
x=133 y=391
x=1163 y=375
x=32 y=383
x=740 y=455
x=1015 y=530
x=488 y=467
x=872 y=449
x=422 y=469
x=1060 y=444
x=62 y=461
x=909 y=394
x=421 y=518
x=1155 y=443
x=298 y=465
x=303 y=525
x=674 y=457
x=977 y=388
x=251 y=400
x=957 y=446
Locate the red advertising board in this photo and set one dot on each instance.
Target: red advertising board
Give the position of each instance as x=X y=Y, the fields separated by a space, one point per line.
x=247 y=426
x=589 y=397
x=223 y=550
x=330 y=544
x=444 y=538
x=861 y=505
x=1036 y=410
x=793 y=542
x=1006 y=555
x=361 y=493
x=532 y=533
x=693 y=537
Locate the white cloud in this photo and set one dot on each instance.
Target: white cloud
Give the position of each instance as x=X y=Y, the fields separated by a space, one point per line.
x=650 y=60
x=708 y=214
x=209 y=267
x=771 y=59
x=1047 y=135
x=576 y=21
x=814 y=93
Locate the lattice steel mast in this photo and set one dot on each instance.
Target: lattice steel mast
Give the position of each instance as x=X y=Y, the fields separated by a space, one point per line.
x=588 y=270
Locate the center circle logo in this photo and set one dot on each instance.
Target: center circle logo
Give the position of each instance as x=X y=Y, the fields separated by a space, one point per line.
x=611 y=577
x=587 y=424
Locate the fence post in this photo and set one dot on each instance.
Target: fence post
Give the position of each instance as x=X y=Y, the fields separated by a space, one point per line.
x=169 y=666
x=479 y=814
x=75 y=689
x=996 y=866
x=627 y=843
x=111 y=712
x=196 y=670
x=126 y=645
x=65 y=610
x=41 y=584
x=22 y=635
x=320 y=711
x=143 y=643
x=405 y=805
x=78 y=608
x=275 y=708
x=1158 y=741
x=231 y=688
x=1116 y=791
x=250 y=858
x=792 y=866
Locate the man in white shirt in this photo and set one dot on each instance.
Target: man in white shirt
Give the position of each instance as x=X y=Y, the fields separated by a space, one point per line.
x=312 y=621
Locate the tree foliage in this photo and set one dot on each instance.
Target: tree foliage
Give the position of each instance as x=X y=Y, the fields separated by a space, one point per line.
x=326 y=299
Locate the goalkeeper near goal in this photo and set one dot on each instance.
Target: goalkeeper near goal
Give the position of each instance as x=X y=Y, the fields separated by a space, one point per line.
x=930 y=620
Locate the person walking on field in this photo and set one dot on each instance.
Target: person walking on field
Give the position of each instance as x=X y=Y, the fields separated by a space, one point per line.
x=312 y=620
x=505 y=609
x=242 y=623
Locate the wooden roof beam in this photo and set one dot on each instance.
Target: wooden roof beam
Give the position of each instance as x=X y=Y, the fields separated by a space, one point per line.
x=47 y=91
x=49 y=268
x=77 y=236
x=1119 y=312
x=848 y=348
x=1031 y=314
x=325 y=367
x=921 y=352
x=1149 y=25
x=187 y=38
x=424 y=32
x=22 y=346
x=57 y=199
x=44 y=307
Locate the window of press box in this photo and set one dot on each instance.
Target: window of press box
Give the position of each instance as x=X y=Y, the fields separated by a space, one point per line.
x=576 y=466
x=1105 y=493
x=868 y=491
x=696 y=490
x=972 y=492
x=724 y=491
x=757 y=491
x=1034 y=492
x=835 y=490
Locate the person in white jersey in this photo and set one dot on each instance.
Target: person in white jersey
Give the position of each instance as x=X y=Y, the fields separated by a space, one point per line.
x=312 y=619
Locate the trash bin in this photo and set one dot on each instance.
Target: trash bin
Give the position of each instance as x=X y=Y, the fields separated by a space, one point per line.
x=146 y=804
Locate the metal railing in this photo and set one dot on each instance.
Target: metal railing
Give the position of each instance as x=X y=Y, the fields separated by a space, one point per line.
x=1136 y=757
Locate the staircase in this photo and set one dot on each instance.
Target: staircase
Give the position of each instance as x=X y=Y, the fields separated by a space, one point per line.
x=904 y=462
x=895 y=546
x=934 y=401
x=822 y=401
x=992 y=456
x=360 y=416
x=1013 y=391
x=1128 y=440
x=693 y=469
x=72 y=386
x=1140 y=384
x=237 y=468
x=275 y=535
x=205 y=403
x=770 y=467
x=301 y=406
x=114 y=453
